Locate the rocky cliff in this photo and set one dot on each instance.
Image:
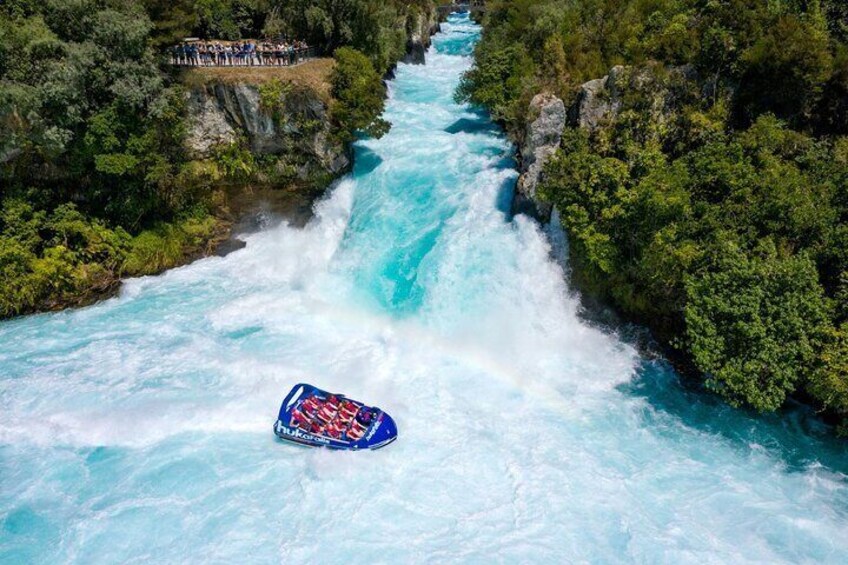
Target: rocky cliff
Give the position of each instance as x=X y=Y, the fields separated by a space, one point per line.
x=541 y=139
x=599 y=102
x=296 y=131
x=420 y=28
x=597 y=105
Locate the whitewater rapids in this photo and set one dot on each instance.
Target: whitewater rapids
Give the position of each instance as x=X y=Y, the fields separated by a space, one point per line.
x=139 y=429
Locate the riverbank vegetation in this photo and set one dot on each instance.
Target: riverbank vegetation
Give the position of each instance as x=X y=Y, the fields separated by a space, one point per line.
x=711 y=202
x=377 y=28
x=95 y=180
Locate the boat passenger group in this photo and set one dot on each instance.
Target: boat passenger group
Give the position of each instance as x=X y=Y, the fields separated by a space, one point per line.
x=333 y=417
x=239 y=53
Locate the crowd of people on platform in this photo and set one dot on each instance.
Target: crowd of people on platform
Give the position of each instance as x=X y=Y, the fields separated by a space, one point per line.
x=245 y=53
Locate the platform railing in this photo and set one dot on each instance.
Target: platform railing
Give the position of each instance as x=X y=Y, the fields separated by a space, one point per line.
x=242 y=58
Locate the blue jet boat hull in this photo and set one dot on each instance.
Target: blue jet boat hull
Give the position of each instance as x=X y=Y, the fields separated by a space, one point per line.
x=380 y=430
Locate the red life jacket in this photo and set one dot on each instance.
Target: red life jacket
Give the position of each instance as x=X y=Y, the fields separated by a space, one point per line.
x=333 y=403
x=356 y=430
x=348 y=410
x=299 y=419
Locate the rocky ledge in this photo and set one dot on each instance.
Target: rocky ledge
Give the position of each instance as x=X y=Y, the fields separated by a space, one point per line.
x=297 y=132
x=596 y=105
x=541 y=140
x=420 y=29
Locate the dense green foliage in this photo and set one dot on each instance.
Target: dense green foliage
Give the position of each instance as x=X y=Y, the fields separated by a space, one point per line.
x=64 y=257
x=91 y=155
x=711 y=204
x=86 y=114
x=787 y=57
x=374 y=27
x=358 y=92
x=95 y=181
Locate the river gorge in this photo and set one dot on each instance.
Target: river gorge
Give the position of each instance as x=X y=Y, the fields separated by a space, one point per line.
x=139 y=429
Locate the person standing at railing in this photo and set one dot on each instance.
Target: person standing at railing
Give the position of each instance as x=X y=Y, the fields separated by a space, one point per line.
x=277 y=55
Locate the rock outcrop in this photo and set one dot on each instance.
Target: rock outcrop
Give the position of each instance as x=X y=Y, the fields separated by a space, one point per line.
x=597 y=102
x=600 y=101
x=597 y=105
x=298 y=132
x=419 y=31
x=541 y=140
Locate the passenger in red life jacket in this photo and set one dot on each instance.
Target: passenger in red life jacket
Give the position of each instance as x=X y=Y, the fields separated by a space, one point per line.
x=333 y=402
x=356 y=431
x=327 y=412
x=360 y=424
x=299 y=420
x=316 y=428
x=310 y=406
x=347 y=410
x=335 y=429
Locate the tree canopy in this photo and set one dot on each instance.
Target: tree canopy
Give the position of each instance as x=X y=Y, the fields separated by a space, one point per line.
x=712 y=203
x=95 y=181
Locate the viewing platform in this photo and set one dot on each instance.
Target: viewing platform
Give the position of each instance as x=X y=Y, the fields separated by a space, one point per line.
x=250 y=53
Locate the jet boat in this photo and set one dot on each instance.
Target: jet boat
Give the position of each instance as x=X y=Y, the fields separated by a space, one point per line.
x=314 y=417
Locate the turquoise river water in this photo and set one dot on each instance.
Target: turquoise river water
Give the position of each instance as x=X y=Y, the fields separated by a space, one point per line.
x=139 y=429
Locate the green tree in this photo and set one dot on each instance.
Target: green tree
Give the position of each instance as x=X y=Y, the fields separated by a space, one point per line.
x=829 y=381
x=753 y=324
x=173 y=20
x=495 y=82
x=784 y=71
x=358 y=92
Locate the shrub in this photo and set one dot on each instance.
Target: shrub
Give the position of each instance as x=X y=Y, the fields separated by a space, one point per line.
x=358 y=92
x=754 y=325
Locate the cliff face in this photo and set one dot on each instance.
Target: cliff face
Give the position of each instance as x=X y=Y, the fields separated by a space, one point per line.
x=596 y=106
x=541 y=140
x=419 y=30
x=297 y=132
x=597 y=103
x=600 y=101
